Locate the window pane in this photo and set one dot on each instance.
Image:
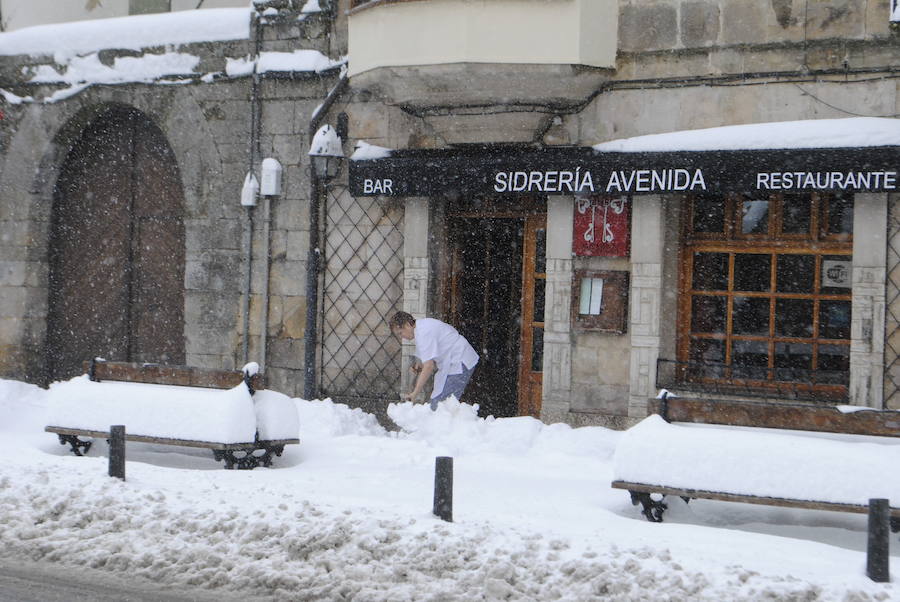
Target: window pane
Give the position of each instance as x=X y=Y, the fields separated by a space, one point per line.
x=540 y=251
x=710 y=272
x=840 y=213
x=751 y=316
x=796 y=214
x=709 y=214
x=708 y=314
x=793 y=361
x=754 y=216
x=750 y=359
x=537 y=349
x=752 y=272
x=794 y=318
x=834 y=319
x=834 y=364
x=540 y=286
x=795 y=273
x=707 y=358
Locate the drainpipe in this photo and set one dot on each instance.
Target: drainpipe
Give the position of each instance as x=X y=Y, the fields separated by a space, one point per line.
x=316 y=190
x=248 y=223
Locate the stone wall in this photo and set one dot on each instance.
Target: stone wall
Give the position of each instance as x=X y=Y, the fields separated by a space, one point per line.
x=690 y=24
x=207 y=120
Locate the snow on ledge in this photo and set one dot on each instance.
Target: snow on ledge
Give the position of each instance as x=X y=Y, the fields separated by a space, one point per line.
x=815 y=133
x=64 y=40
x=365 y=151
x=146 y=68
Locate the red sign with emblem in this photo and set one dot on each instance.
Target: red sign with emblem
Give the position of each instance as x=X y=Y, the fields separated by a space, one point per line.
x=602 y=226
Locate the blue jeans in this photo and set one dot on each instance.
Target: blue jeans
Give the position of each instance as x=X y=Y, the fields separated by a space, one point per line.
x=455 y=385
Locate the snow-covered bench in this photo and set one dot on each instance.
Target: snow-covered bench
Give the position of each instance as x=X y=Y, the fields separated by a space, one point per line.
x=791 y=455
x=224 y=411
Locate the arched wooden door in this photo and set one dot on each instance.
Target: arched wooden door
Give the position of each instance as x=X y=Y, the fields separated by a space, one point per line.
x=116 y=249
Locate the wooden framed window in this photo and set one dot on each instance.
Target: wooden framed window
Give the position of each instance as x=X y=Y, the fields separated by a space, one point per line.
x=766 y=293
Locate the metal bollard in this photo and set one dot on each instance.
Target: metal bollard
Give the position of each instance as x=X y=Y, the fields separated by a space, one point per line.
x=443 y=488
x=877 y=552
x=117 y=451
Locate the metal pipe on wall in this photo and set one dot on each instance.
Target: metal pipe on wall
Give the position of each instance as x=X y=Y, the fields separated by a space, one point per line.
x=248 y=222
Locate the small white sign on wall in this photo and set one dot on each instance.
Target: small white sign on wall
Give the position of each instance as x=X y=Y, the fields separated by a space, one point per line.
x=591 y=301
x=836 y=274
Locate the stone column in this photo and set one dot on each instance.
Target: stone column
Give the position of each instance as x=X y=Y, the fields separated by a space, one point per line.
x=557 y=385
x=868 y=302
x=415 y=274
x=647 y=244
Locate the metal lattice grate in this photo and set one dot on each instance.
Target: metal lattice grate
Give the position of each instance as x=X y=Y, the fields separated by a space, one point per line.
x=892 y=317
x=363 y=286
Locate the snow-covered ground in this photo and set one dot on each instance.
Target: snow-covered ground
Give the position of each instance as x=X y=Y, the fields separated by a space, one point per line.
x=347 y=515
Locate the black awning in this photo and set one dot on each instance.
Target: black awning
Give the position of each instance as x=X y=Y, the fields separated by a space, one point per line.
x=582 y=170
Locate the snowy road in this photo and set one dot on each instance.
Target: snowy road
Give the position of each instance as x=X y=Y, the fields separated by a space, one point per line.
x=38 y=582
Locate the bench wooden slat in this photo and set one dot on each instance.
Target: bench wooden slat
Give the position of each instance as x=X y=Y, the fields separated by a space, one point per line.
x=747 y=499
x=171 y=375
x=827 y=419
x=169 y=441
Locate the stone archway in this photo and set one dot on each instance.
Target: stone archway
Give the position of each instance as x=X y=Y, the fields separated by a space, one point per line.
x=117 y=251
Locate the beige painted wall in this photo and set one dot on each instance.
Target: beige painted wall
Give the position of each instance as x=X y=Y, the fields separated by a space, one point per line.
x=484 y=31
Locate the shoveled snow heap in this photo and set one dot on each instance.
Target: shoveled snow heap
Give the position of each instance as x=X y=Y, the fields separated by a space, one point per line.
x=346 y=515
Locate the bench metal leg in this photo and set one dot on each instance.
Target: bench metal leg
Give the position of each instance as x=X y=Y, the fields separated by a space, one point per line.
x=247 y=459
x=79 y=447
x=652 y=509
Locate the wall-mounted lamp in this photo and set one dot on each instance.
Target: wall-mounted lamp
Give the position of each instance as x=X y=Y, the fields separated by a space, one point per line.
x=250 y=190
x=325 y=153
x=270 y=180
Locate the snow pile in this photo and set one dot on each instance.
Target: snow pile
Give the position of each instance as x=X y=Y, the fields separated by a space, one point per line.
x=814 y=133
x=455 y=429
x=276 y=416
x=346 y=515
x=292 y=549
x=324 y=419
x=759 y=462
x=65 y=40
x=190 y=413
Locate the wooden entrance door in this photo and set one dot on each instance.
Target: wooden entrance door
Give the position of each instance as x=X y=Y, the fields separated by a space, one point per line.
x=496 y=299
x=116 y=249
x=484 y=306
x=534 y=280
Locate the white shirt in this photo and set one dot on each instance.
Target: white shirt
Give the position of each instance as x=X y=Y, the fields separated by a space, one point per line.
x=438 y=341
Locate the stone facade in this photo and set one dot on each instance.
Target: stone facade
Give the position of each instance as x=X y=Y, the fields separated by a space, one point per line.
x=681 y=65
x=209 y=124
